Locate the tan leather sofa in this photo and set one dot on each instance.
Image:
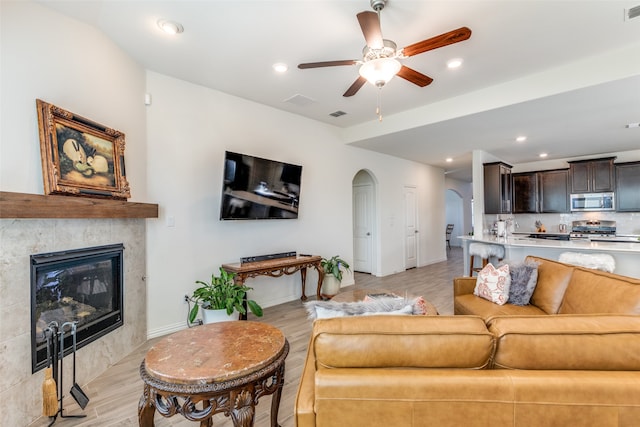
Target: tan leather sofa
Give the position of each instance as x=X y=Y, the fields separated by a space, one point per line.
x=561 y=289
x=382 y=371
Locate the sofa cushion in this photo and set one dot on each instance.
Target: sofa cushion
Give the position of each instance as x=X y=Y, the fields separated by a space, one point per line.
x=592 y=291
x=493 y=284
x=567 y=342
x=553 y=279
x=398 y=341
x=472 y=305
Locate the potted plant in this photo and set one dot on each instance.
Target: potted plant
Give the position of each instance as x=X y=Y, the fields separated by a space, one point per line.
x=222 y=295
x=333 y=268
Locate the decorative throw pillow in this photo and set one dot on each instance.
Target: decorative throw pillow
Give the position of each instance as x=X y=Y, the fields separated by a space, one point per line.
x=493 y=284
x=419 y=306
x=524 y=277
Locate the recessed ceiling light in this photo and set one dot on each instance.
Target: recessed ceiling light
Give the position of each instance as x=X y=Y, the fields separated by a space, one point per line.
x=280 y=67
x=454 y=63
x=521 y=139
x=543 y=155
x=449 y=160
x=170 y=27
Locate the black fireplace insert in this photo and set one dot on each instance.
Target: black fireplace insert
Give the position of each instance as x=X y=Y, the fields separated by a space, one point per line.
x=80 y=285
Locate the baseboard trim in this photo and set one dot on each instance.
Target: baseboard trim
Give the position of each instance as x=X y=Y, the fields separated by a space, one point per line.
x=165 y=330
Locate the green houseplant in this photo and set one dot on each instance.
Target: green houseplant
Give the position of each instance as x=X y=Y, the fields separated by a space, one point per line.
x=333 y=268
x=222 y=293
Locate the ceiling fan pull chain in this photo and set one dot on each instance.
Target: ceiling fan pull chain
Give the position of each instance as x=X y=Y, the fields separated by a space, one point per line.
x=379 y=106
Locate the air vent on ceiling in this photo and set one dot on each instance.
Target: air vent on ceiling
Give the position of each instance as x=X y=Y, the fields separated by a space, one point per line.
x=337 y=113
x=631 y=13
x=300 y=100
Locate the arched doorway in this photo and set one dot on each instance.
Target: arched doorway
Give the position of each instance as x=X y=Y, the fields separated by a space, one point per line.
x=454 y=214
x=365 y=236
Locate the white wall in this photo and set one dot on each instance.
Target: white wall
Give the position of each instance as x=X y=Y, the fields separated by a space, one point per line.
x=189 y=127
x=73 y=66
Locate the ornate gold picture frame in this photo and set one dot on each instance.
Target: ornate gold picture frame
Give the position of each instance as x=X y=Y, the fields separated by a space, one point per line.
x=80 y=157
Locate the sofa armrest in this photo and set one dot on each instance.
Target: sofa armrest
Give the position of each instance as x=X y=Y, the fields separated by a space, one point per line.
x=463 y=285
x=304 y=406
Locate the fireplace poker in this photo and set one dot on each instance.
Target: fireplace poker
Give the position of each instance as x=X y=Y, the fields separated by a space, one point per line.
x=78 y=394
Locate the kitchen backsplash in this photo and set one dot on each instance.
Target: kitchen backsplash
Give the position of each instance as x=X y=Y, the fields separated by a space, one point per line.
x=626 y=223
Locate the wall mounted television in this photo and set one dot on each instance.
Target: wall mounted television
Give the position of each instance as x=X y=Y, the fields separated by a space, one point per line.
x=257 y=188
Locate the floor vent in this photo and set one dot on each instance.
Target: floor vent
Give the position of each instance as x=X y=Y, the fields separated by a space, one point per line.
x=633 y=12
x=337 y=113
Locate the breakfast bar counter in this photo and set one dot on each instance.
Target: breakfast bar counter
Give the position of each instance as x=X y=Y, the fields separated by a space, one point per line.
x=626 y=254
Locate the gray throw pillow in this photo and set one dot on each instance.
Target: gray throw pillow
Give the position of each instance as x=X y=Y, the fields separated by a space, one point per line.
x=524 y=277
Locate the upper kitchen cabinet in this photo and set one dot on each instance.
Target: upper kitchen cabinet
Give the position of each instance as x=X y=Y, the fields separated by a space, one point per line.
x=497 y=188
x=525 y=192
x=627 y=186
x=592 y=176
x=541 y=192
x=554 y=191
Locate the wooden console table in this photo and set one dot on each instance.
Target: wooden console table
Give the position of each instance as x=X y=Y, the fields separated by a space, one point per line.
x=278 y=267
x=216 y=368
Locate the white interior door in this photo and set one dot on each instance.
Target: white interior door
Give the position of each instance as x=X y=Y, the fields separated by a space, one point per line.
x=410 y=228
x=362 y=227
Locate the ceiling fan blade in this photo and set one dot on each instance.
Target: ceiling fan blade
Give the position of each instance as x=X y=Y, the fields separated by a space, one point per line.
x=442 y=40
x=355 y=87
x=370 y=24
x=327 y=64
x=411 y=75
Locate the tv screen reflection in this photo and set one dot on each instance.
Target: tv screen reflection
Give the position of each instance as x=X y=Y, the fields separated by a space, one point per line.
x=257 y=188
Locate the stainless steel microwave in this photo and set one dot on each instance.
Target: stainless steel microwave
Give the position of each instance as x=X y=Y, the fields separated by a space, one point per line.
x=593 y=202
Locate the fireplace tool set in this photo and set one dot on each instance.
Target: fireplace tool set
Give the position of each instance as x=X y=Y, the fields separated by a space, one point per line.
x=54 y=335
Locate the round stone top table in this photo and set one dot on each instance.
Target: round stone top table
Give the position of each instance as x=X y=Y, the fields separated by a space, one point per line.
x=220 y=367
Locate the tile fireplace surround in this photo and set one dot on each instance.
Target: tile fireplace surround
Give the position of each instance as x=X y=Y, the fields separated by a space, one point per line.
x=21 y=391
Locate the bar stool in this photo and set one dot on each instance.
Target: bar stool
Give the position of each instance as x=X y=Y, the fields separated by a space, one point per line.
x=484 y=251
x=602 y=262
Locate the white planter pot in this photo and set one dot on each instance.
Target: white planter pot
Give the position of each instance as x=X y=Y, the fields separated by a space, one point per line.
x=330 y=286
x=213 y=316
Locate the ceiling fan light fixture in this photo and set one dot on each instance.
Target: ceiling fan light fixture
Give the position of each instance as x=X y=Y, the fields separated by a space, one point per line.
x=379 y=71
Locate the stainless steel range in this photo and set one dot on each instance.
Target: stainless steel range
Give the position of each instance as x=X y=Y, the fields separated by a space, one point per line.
x=589 y=229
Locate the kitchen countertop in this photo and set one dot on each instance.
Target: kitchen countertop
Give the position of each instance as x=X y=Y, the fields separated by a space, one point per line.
x=521 y=241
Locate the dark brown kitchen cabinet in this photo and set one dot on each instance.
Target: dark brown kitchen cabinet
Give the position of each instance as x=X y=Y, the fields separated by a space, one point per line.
x=525 y=192
x=541 y=192
x=592 y=176
x=628 y=187
x=497 y=188
x=554 y=191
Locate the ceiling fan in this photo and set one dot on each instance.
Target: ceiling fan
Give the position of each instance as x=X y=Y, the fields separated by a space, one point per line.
x=380 y=56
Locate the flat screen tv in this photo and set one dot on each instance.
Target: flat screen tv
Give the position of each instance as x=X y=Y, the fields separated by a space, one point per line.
x=256 y=188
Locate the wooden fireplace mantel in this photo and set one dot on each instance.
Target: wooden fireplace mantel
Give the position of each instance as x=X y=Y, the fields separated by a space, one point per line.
x=23 y=205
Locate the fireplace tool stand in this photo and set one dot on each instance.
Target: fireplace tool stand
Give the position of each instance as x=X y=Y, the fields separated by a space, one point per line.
x=57 y=354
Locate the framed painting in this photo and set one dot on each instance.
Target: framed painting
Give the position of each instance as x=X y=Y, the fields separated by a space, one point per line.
x=80 y=157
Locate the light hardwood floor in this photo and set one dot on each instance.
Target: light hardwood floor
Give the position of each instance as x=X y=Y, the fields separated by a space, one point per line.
x=114 y=395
